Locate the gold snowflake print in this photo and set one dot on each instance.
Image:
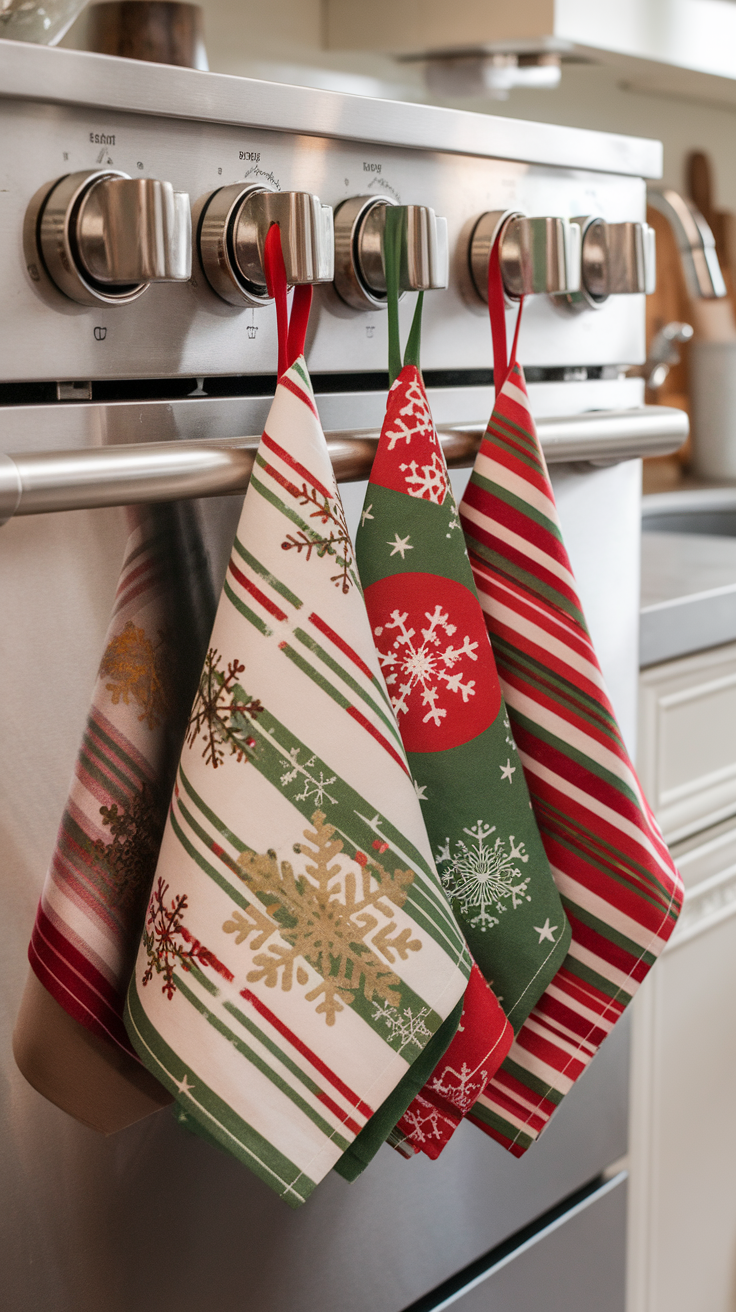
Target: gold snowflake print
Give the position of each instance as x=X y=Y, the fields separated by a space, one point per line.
x=343 y=926
x=136 y=669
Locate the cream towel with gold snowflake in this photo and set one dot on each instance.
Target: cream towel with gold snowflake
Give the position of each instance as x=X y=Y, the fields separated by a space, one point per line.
x=298 y=951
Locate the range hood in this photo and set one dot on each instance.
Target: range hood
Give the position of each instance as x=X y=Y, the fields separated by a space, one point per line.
x=681 y=46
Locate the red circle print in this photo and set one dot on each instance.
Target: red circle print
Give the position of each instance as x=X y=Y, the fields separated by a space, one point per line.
x=436 y=659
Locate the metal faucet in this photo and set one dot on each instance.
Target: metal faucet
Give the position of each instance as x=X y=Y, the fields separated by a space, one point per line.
x=695 y=242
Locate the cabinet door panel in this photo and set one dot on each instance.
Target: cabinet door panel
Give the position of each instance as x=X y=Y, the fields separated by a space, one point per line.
x=683 y=1133
x=687 y=740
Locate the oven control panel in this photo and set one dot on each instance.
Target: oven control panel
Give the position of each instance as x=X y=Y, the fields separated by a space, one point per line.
x=133 y=247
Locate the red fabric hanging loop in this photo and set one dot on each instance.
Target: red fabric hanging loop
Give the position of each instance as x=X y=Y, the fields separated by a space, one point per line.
x=502 y=365
x=292 y=331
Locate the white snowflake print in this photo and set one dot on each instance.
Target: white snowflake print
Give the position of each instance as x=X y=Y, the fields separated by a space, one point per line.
x=313 y=786
x=423 y=1122
x=509 y=736
x=483 y=877
x=414 y=419
x=421 y=667
x=427 y=481
x=403 y=1027
x=454 y=520
x=461 y=1088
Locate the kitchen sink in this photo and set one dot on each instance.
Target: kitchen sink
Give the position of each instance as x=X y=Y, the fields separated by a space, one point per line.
x=688 y=573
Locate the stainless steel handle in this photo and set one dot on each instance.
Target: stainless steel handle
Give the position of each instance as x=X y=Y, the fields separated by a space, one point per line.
x=33 y=483
x=233 y=231
x=360 y=275
x=617 y=258
x=695 y=242
x=536 y=254
x=131 y=230
x=104 y=237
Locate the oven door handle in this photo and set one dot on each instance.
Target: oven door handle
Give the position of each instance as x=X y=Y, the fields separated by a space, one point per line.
x=36 y=482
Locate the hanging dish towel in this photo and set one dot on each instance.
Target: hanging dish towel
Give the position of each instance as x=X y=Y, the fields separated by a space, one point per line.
x=481 y=1043
x=435 y=655
x=620 y=889
x=70 y=1041
x=298 y=953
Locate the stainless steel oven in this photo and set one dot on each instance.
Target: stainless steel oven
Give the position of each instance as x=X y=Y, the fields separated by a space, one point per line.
x=152 y=1216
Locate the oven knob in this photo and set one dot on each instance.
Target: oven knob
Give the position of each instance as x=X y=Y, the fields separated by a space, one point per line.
x=617 y=259
x=360 y=276
x=104 y=237
x=535 y=254
x=232 y=233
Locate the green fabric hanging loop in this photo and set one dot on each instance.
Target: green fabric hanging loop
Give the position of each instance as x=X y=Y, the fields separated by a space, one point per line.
x=393 y=240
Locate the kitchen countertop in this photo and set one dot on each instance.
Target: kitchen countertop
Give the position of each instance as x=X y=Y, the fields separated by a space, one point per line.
x=688 y=579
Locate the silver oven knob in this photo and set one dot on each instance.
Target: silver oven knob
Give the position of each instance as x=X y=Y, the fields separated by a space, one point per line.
x=232 y=233
x=104 y=237
x=536 y=254
x=617 y=259
x=360 y=275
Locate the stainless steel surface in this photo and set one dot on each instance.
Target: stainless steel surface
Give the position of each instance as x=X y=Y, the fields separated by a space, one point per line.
x=709 y=510
x=232 y=233
x=187 y=330
x=87 y=1243
x=663 y=353
x=605 y=437
x=103 y=236
x=617 y=258
x=695 y=242
x=131 y=230
x=352 y=227
x=536 y=255
x=306 y=236
x=71 y=77
x=215 y=247
x=360 y=274
x=123 y=1202
x=49 y=233
x=688 y=588
x=11 y=488
x=576 y=1262
x=169 y=471
x=200 y=417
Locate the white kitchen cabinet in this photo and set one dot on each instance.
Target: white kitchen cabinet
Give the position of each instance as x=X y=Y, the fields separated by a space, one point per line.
x=682 y=1222
x=687 y=740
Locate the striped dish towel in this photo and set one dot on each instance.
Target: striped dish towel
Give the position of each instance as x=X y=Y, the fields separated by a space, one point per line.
x=620 y=889
x=88 y=923
x=298 y=952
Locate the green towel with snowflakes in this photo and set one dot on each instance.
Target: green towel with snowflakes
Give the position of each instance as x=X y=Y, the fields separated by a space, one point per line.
x=436 y=657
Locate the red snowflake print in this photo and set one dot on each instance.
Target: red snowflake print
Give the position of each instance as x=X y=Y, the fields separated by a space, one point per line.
x=162 y=931
x=436 y=659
